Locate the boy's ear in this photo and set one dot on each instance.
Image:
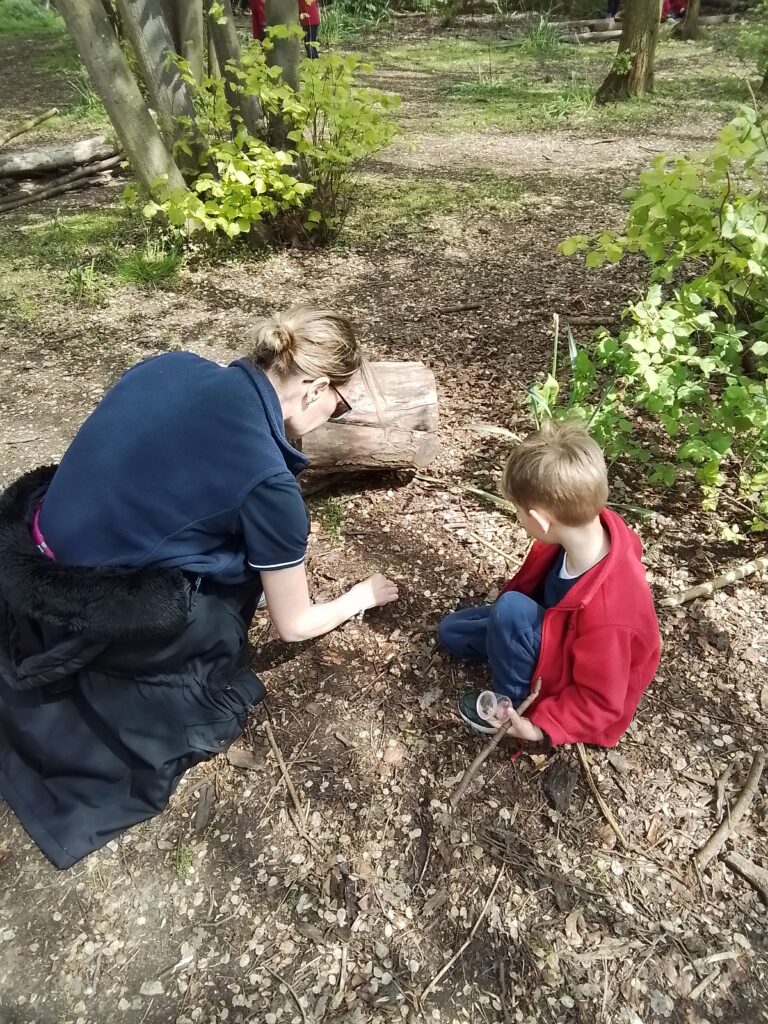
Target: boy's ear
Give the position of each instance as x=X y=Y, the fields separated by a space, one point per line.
x=541 y=519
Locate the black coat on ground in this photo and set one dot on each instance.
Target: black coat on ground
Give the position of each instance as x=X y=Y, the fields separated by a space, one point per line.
x=112 y=684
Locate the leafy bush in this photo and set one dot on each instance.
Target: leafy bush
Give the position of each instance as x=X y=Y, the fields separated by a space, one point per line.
x=301 y=192
x=694 y=354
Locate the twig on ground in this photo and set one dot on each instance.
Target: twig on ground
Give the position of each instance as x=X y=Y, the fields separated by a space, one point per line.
x=720 y=785
x=292 y=990
x=487 y=544
x=696 y=992
x=444 y=970
x=489 y=748
x=607 y=812
x=494 y=499
x=705 y=589
x=284 y=771
x=27 y=126
x=715 y=842
x=755 y=875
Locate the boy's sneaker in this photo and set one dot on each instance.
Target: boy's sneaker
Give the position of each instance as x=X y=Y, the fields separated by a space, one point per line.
x=468 y=712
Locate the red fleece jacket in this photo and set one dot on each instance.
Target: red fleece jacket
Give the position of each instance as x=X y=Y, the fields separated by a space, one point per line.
x=600 y=645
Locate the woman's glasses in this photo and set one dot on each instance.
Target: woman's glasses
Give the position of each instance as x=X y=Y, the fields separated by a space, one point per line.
x=343 y=408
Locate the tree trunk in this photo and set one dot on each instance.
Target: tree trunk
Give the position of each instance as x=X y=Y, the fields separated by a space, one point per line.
x=189 y=16
x=147 y=30
x=689 y=28
x=285 y=53
x=632 y=75
x=223 y=36
x=170 y=14
x=402 y=434
x=764 y=86
x=111 y=76
x=24 y=163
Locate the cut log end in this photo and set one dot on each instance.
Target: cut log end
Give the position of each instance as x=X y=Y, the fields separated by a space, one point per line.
x=400 y=434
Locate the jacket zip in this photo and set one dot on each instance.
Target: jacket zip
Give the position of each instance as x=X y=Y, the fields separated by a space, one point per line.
x=194 y=592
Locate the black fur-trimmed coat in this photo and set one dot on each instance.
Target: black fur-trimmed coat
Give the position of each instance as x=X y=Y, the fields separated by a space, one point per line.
x=112 y=683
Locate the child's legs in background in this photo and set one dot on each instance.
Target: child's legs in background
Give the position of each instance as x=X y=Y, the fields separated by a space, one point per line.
x=513 y=641
x=310 y=41
x=463 y=632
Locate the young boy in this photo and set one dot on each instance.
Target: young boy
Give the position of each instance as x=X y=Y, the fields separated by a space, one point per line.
x=578 y=616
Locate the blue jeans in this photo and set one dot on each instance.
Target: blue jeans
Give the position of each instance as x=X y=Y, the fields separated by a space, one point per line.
x=506 y=635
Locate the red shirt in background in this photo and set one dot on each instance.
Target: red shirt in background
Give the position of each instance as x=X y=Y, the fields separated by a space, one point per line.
x=309 y=14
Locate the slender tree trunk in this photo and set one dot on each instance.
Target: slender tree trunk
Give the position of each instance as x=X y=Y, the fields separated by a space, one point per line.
x=285 y=53
x=764 y=86
x=632 y=72
x=689 y=27
x=145 y=25
x=115 y=85
x=189 y=16
x=172 y=21
x=223 y=38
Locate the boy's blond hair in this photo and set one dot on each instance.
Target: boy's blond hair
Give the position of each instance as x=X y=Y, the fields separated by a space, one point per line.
x=559 y=469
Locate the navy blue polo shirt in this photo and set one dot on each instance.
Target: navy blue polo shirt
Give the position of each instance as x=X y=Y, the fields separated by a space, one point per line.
x=184 y=463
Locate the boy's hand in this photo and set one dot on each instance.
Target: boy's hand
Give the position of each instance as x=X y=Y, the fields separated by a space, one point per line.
x=521 y=727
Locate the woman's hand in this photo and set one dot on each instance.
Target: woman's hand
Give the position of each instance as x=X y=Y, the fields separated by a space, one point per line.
x=375 y=591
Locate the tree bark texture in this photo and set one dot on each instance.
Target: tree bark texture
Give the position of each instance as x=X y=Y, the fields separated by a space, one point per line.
x=145 y=25
x=115 y=85
x=639 y=34
x=689 y=27
x=170 y=13
x=286 y=53
x=189 y=17
x=223 y=36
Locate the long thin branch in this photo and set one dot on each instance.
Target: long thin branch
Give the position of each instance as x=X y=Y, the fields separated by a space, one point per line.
x=61 y=184
x=444 y=970
x=715 y=842
x=284 y=771
x=607 y=812
x=756 y=876
x=705 y=589
x=28 y=126
x=489 y=748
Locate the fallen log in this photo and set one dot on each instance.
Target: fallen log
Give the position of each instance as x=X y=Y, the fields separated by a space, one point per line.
x=593 y=24
x=591 y=37
x=53 y=158
x=395 y=429
x=65 y=183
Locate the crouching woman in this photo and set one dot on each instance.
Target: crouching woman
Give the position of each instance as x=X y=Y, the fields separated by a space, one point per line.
x=130 y=573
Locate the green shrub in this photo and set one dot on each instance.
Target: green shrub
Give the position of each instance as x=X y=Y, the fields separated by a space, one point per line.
x=693 y=357
x=301 y=193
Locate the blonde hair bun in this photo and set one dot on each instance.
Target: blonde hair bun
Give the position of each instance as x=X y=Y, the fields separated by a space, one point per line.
x=314 y=342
